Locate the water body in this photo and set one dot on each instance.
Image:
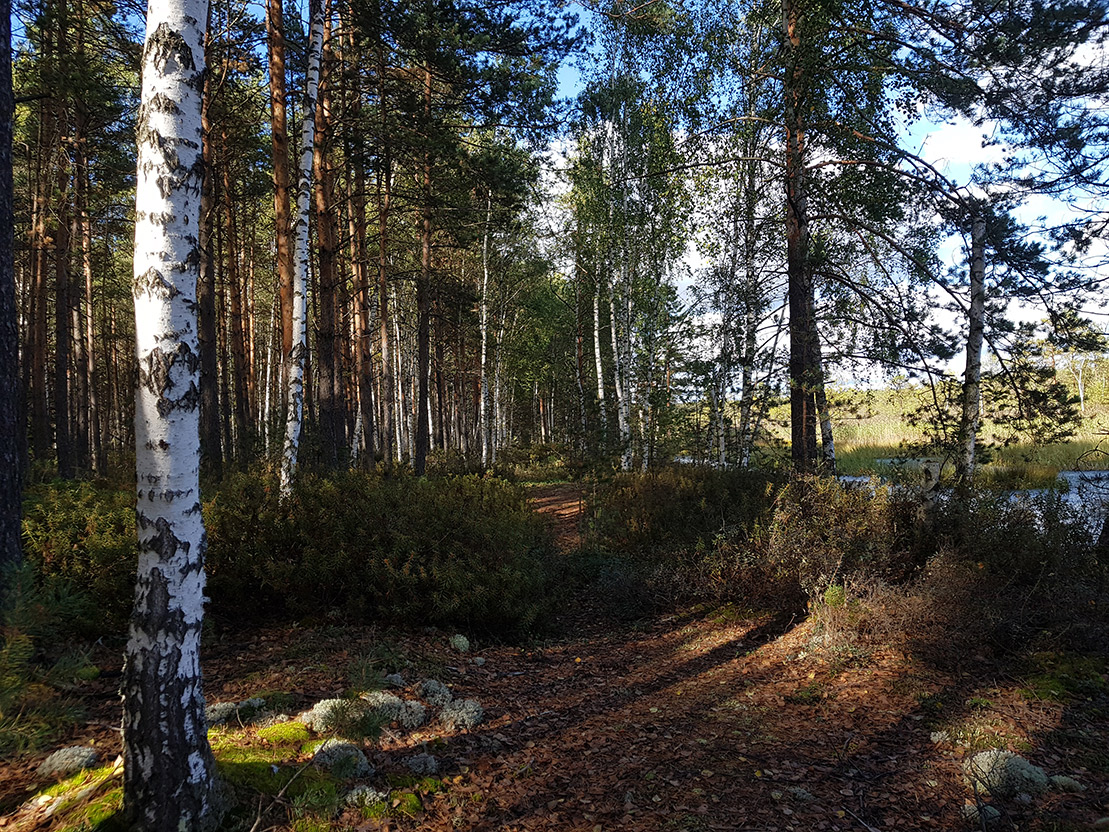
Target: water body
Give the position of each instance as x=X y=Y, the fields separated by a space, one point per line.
x=1085 y=491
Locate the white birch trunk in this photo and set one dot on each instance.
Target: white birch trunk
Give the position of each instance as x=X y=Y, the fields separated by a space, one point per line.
x=356 y=436
x=485 y=427
x=169 y=772
x=498 y=414
x=271 y=348
x=597 y=356
x=618 y=387
x=299 y=352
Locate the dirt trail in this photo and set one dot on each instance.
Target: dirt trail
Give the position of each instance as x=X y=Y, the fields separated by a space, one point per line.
x=564 y=504
x=688 y=722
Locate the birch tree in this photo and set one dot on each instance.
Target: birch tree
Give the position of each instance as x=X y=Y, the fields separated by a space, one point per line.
x=299 y=352
x=169 y=772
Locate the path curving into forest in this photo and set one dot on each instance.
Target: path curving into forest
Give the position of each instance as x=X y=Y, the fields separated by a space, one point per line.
x=564 y=505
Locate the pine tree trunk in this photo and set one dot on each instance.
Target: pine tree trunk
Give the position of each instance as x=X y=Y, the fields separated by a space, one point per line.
x=802 y=324
x=298 y=355
x=63 y=333
x=11 y=429
x=401 y=419
x=169 y=773
x=211 y=452
x=359 y=256
x=236 y=335
x=390 y=416
x=328 y=344
x=41 y=441
x=92 y=418
x=423 y=301
x=275 y=38
x=972 y=378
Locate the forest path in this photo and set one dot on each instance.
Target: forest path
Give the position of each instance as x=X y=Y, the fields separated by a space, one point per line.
x=564 y=505
x=690 y=721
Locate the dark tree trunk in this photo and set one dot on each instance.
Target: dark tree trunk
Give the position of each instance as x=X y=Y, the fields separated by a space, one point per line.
x=275 y=35
x=236 y=323
x=11 y=428
x=423 y=302
x=211 y=453
x=63 y=334
x=802 y=322
x=329 y=377
x=37 y=339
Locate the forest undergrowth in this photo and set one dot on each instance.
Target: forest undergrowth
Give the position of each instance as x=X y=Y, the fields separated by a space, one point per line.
x=696 y=650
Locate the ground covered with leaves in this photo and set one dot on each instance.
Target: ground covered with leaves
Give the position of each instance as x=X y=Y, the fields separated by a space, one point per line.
x=714 y=717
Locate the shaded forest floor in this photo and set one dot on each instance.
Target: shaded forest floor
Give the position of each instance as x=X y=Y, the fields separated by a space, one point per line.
x=709 y=719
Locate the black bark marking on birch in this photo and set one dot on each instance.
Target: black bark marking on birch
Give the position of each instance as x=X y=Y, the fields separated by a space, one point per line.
x=162 y=103
x=153 y=610
x=164 y=542
x=153 y=282
x=156 y=377
x=188 y=402
x=164 y=45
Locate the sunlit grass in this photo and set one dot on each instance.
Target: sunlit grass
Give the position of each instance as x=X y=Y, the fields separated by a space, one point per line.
x=872 y=434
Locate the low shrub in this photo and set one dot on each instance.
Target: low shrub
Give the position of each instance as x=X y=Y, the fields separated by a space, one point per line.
x=37 y=661
x=821 y=532
x=464 y=551
x=678 y=510
x=82 y=535
x=1019 y=540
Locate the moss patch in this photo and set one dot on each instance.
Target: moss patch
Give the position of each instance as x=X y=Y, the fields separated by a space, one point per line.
x=376 y=811
x=267 y=769
x=75 y=781
x=812 y=694
x=406 y=804
x=89 y=800
x=1062 y=676
x=285 y=733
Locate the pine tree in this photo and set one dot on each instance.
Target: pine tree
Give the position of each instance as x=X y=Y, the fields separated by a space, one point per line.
x=11 y=429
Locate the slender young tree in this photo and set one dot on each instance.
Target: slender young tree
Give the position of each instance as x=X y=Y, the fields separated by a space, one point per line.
x=169 y=773
x=298 y=356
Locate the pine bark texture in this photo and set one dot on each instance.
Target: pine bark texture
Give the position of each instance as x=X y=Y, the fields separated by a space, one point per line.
x=802 y=323
x=275 y=38
x=11 y=468
x=169 y=772
x=972 y=378
x=298 y=355
x=210 y=449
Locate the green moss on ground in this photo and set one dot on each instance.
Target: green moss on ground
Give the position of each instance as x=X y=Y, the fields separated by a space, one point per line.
x=285 y=733
x=1061 y=676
